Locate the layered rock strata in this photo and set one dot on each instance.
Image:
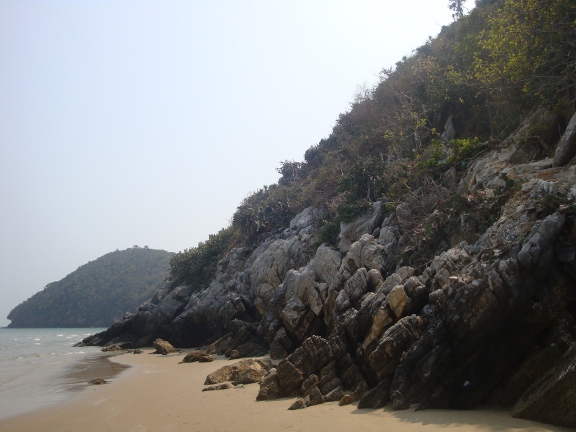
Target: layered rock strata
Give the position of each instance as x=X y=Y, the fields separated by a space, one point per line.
x=469 y=314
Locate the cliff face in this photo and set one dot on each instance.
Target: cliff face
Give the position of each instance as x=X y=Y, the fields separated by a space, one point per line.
x=484 y=315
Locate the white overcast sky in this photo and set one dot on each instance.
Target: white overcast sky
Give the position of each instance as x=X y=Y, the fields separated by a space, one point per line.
x=134 y=122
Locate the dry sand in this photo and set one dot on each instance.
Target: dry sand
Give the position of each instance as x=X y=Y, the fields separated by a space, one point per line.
x=159 y=394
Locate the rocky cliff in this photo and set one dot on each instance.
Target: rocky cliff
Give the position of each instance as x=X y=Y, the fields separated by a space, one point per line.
x=483 y=315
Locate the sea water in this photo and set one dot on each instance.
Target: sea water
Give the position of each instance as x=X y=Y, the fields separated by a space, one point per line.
x=35 y=366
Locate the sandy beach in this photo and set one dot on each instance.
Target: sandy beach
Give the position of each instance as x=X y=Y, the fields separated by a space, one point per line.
x=159 y=394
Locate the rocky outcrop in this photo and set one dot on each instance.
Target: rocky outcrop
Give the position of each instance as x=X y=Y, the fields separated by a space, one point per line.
x=567 y=146
x=552 y=398
x=197 y=356
x=243 y=372
x=367 y=223
x=460 y=295
x=163 y=347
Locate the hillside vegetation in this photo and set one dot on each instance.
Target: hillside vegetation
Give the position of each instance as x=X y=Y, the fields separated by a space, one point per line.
x=456 y=96
x=422 y=255
x=98 y=293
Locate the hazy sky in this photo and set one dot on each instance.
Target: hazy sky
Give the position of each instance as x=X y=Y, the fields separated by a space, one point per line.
x=147 y=122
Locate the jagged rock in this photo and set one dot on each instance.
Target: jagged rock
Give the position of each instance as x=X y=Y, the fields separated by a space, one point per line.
x=249 y=349
x=270 y=388
x=395 y=341
x=112 y=347
x=233 y=371
x=98 y=381
x=314 y=396
x=552 y=399
x=311 y=381
x=378 y=396
x=365 y=252
x=197 y=356
x=367 y=223
x=137 y=351
x=397 y=299
x=326 y=263
x=347 y=399
x=221 y=345
x=334 y=395
x=300 y=403
x=163 y=347
x=479 y=321
x=312 y=356
x=567 y=146
x=251 y=375
x=223 y=386
x=357 y=285
x=531 y=371
x=289 y=377
x=281 y=345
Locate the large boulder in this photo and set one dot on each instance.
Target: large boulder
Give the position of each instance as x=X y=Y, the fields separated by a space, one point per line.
x=242 y=368
x=567 y=146
x=163 y=347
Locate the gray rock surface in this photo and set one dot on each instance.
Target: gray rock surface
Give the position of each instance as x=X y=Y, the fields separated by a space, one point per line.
x=566 y=149
x=483 y=312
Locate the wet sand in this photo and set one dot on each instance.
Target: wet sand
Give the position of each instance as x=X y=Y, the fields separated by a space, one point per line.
x=159 y=394
x=54 y=383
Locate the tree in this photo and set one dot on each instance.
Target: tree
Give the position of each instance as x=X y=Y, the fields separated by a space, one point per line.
x=457 y=6
x=530 y=45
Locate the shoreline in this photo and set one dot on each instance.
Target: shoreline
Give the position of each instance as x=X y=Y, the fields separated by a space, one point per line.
x=53 y=384
x=157 y=393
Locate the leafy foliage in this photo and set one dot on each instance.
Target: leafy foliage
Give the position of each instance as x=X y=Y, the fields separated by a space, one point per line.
x=197 y=266
x=530 y=45
x=97 y=293
x=486 y=70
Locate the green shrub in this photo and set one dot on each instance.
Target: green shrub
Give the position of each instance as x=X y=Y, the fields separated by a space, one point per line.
x=197 y=266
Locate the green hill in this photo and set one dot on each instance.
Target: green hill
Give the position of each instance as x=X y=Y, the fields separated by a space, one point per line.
x=98 y=293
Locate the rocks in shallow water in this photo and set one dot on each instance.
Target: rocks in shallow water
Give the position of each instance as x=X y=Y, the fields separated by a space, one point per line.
x=98 y=381
x=112 y=347
x=163 y=347
x=197 y=356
